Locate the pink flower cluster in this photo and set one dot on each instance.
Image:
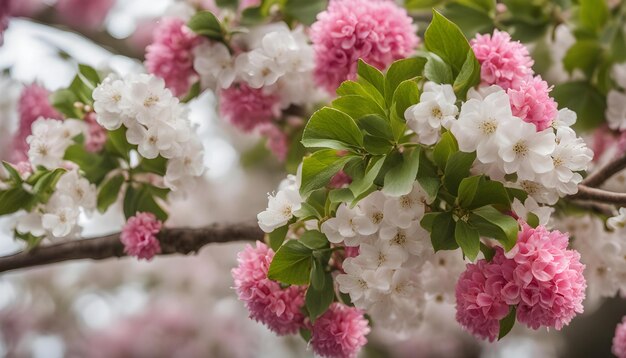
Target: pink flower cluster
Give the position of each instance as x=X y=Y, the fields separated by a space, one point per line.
x=170 y=56
x=340 y=332
x=539 y=275
x=619 y=341
x=96 y=134
x=81 y=13
x=247 y=108
x=139 y=236
x=276 y=307
x=277 y=141
x=506 y=63
x=377 y=31
x=531 y=102
x=33 y=103
x=503 y=62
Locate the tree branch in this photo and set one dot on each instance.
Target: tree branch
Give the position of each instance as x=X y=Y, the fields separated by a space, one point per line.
x=601 y=175
x=102 y=38
x=173 y=241
x=599 y=195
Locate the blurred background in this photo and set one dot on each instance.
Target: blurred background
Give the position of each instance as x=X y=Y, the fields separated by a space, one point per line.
x=184 y=306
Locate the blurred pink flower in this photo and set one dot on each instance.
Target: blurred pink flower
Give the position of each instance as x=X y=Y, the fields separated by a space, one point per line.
x=549 y=276
x=5 y=13
x=33 y=103
x=619 y=341
x=276 y=307
x=277 y=141
x=139 y=236
x=244 y=4
x=378 y=31
x=339 y=180
x=531 y=102
x=25 y=8
x=480 y=301
x=340 y=332
x=96 y=134
x=246 y=108
x=170 y=56
x=503 y=62
x=88 y=14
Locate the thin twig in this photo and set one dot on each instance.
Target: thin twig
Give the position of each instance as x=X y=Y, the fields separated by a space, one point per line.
x=173 y=241
x=599 y=195
x=601 y=175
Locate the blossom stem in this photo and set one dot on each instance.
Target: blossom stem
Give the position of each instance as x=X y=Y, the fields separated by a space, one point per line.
x=603 y=174
x=594 y=194
x=173 y=241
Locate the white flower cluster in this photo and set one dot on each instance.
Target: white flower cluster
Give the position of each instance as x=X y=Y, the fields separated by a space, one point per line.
x=282 y=205
x=546 y=163
x=50 y=139
x=155 y=120
x=386 y=278
x=58 y=218
x=280 y=61
x=603 y=252
x=616 y=99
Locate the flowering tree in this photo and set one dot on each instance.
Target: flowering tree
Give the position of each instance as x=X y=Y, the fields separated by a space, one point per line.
x=423 y=170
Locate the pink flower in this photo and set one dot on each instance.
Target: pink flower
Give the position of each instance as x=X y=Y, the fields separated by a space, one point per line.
x=378 y=31
x=480 y=296
x=5 y=13
x=549 y=276
x=170 y=56
x=244 y=4
x=340 y=332
x=88 y=14
x=531 y=102
x=276 y=307
x=139 y=236
x=503 y=62
x=277 y=141
x=25 y=8
x=246 y=108
x=96 y=134
x=33 y=103
x=339 y=180
x=619 y=341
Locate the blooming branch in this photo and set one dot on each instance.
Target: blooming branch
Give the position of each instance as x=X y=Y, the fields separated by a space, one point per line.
x=173 y=241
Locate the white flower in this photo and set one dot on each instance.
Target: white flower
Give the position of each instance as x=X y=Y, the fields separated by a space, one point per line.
x=403 y=210
x=381 y=255
x=48 y=142
x=214 y=64
x=478 y=126
x=481 y=92
x=147 y=97
x=189 y=165
x=363 y=285
x=539 y=192
x=523 y=150
x=618 y=222
x=257 y=69
x=437 y=108
x=110 y=102
x=530 y=205
x=30 y=223
x=412 y=239
x=342 y=228
x=372 y=213
x=616 y=110
x=619 y=74
x=570 y=156
x=565 y=118
x=82 y=192
x=157 y=139
x=440 y=274
x=280 y=209
x=60 y=215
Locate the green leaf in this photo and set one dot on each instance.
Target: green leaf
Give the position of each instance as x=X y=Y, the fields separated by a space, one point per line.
x=492 y=223
x=585 y=55
x=13 y=200
x=427 y=176
x=194 y=92
x=305 y=334
x=444 y=149
x=343 y=195
x=421 y=4
x=471 y=16
x=319 y=168
x=400 y=71
x=477 y=191
x=488 y=252
x=406 y=95
x=593 y=14
x=428 y=220
x=507 y=323
x=583 y=98
x=94 y=166
x=307 y=211
x=13 y=173
x=438 y=71
x=206 y=24
x=446 y=40
x=532 y=220
x=109 y=192
x=364 y=89
x=117 y=143
x=277 y=237
x=457 y=168
x=63 y=101
x=318 y=275
x=291 y=264
x=142 y=200
x=46 y=184
x=400 y=179
x=305 y=11
x=372 y=75
x=317 y=300
x=376 y=126
x=361 y=184
x=157 y=165
x=314 y=240
x=442 y=235
x=331 y=128
x=377 y=145
x=468 y=239
x=469 y=75
x=357 y=106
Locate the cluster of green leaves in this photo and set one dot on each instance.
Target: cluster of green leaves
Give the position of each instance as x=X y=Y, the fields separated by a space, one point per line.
x=27 y=194
x=73 y=102
x=291 y=11
x=363 y=132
